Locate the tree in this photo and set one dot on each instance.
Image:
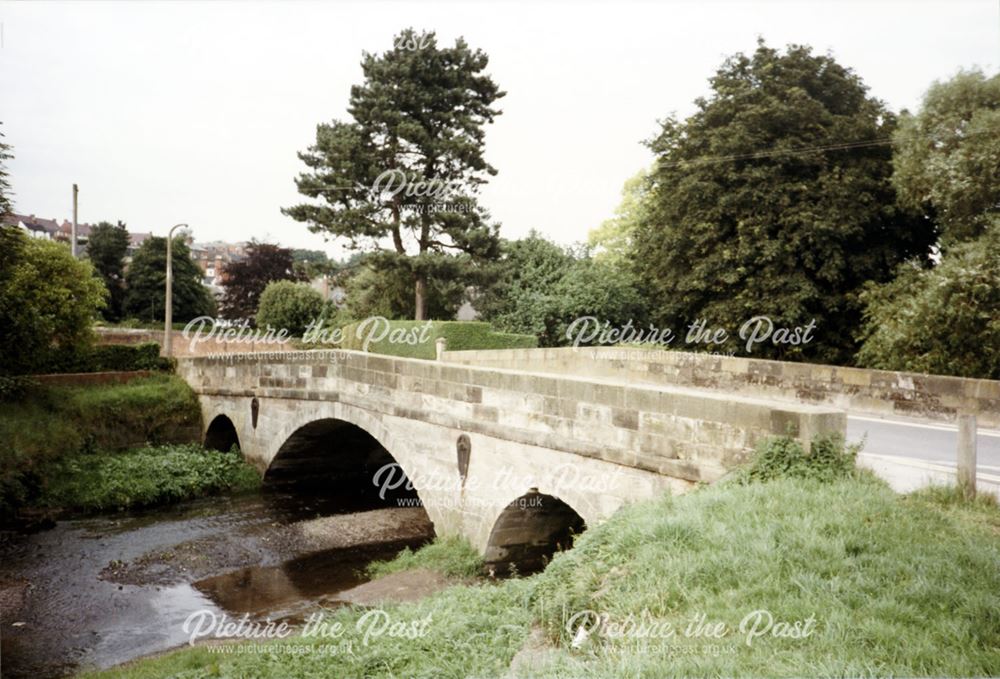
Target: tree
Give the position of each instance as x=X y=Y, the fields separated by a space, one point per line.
x=518 y=293
x=245 y=280
x=106 y=248
x=945 y=320
x=6 y=205
x=383 y=286
x=289 y=306
x=774 y=198
x=145 y=283
x=613 y=240
x=408 y=166
x=539 y=288
x=309 y=264
x=947 y=159
x=48 y=300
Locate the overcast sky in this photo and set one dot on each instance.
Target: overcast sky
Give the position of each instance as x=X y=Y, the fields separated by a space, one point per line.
x=194 y=111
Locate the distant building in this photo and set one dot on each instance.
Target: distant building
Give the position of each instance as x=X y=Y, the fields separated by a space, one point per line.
x=212 y=258
x=36 y=227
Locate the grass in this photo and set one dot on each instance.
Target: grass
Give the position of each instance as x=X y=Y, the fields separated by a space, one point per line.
x=453 y=556
x=897 y=586
x=144 y=477
x=45 y=424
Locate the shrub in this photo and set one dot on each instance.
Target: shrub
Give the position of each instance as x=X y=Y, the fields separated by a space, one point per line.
x=107 y=357
x=144 y=477
x=48 y=300
x=460 y=335
x=290 y=306
x=781 y=457
x=49 y=423
x=944 y=320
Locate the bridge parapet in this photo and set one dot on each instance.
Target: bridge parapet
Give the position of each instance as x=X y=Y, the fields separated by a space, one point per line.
x=674 y=431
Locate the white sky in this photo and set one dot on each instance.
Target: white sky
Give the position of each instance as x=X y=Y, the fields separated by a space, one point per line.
x=194 y=111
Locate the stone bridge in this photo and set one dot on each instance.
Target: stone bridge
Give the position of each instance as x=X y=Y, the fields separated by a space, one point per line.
x=516 y=461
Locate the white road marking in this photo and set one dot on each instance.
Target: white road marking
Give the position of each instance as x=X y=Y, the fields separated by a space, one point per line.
x=940 y=427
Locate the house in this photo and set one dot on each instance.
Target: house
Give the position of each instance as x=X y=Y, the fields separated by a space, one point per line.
x=36 y=227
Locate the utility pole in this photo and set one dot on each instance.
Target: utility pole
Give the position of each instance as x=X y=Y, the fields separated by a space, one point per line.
x=168 y=316
x=76 y=190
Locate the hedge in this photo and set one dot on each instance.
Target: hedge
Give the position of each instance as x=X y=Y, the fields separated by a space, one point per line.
x=107 y=357
x=460 y=335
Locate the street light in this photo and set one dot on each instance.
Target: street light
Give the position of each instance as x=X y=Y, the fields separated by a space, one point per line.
x=168 y=320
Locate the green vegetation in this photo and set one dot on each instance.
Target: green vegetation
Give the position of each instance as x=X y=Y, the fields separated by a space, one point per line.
x=246 y=279
x=452 y=556
x=107 y=246
x=145 y=283
x=285 y=305
x=895 y=586
x=49 y=423
x=94 y=482
x=107 y=357
x=780 y=457
x=460 y=335
x=48 y=300
x=742 y=223
x=539 y=287
x=422 y=183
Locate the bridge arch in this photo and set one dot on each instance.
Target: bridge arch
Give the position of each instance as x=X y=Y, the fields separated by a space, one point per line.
x=221 y=434
x=529 y=531
x=337 y=448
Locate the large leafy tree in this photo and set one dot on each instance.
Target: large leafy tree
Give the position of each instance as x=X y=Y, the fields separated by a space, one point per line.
x=106 y=248
x=947 y=158
x=289 y=306
x=145 y=283
x=244 y=281
x=774 y=198
x=403 y=174
x=48 y=300
x=614 y=240
x=945 y=320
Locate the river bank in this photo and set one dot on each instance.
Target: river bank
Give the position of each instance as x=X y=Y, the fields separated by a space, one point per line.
x=799 y=577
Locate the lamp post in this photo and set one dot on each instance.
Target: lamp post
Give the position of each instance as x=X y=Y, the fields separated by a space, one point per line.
x=168 y=320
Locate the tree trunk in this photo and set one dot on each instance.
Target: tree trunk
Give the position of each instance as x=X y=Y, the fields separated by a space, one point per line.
x=420 y=298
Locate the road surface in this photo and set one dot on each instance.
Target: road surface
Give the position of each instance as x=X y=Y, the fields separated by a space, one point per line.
x=913 y=454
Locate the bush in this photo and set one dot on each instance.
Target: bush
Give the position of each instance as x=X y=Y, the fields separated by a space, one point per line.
x=48 y=300
x=783 y=457
x=107 y=357
x=460 y=335
x=944 y=320
x=290 y=306
x=48 y=423
x=144 y=477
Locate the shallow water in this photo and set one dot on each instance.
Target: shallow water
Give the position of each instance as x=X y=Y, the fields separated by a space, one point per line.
x=62 y=611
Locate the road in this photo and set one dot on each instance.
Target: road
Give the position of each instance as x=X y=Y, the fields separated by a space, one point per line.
x=914 y=454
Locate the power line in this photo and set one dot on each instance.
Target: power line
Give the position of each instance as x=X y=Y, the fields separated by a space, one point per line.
x=805 y=150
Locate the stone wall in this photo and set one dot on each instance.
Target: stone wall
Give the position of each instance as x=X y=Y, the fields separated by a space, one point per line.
x=877 y=392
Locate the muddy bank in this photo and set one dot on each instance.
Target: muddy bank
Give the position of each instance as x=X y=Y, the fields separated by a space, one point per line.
x=269 y=544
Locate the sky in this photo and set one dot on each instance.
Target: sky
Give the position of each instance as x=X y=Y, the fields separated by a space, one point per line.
x=194 y=111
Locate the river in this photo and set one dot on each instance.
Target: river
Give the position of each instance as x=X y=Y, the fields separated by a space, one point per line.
x=96 y=592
